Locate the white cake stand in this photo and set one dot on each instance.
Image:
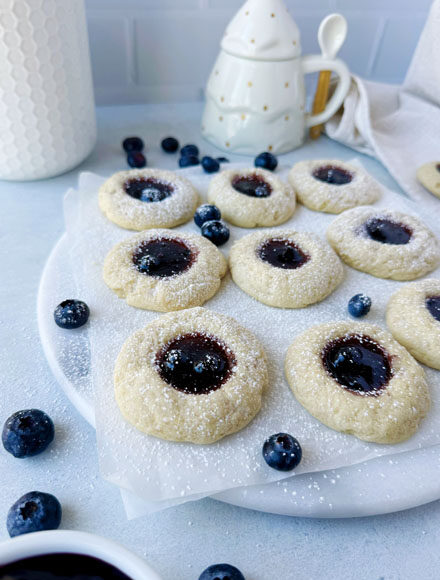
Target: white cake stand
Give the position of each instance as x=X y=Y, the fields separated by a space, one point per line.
x=378 y=486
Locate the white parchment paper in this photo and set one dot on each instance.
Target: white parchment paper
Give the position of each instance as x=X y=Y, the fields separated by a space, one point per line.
x=159 y=471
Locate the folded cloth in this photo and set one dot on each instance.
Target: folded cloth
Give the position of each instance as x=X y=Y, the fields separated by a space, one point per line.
x=399 y=125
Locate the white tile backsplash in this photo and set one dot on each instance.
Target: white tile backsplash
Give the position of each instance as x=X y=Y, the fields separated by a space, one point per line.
x=109 y=50
x=400 y=36
x=163 y=50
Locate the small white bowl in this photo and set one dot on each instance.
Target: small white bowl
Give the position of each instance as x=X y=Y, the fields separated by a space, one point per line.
x=63 y=541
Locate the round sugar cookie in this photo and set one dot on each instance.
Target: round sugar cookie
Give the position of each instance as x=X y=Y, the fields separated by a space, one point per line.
x=413 y=317
x=141 y=199
x=164 y=270
x=332 y=186
x=193 y=376
x=429 y=176
x=355 y=378
x=250 y=198
x=285 y=268
x=384 y=243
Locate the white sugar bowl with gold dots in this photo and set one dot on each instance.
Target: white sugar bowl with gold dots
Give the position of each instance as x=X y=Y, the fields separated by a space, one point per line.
x=255 y=97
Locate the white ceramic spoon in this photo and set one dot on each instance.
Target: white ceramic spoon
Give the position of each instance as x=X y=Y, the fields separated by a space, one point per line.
x=331 y=36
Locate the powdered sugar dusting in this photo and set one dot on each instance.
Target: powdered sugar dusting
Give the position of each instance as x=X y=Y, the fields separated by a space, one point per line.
x=156 y=469
x=135 y=214
x=348 y=235
x=323 y=196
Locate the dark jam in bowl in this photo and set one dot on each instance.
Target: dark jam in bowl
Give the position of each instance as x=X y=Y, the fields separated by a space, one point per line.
x=163 y=257
x=386 y=231
x=61 y=567
x=358 y=363
x=333 y=175
x=195 y=363
x=252 y=185
x=282 y=254
x=433 y=305
x=148 y=189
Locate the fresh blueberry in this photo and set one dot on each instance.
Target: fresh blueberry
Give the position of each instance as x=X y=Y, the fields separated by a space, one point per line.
x=27 y=433
x=222 y=159
x=282 y=452
x=206 y=213
x=210 y=165
x=189 y=150
x=132 y=144
x=136 y=159
x=359 y=305
x=221 y=572
x=148 y=264
x=71 y=313
x=216 y=232
x=188 y=161
x=266 y=161
x=170 y=145
x=34 y=512
x=200 y=367
x=175 y=358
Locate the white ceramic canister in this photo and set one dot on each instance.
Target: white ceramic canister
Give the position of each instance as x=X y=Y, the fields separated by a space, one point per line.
x=255 y=96
x=47 y=110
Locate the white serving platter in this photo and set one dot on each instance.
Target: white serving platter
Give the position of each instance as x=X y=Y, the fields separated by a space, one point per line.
x=381 y=485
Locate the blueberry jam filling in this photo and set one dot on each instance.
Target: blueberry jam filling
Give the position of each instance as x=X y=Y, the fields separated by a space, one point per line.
x=195 y=363
x=333 y=175
x=388 y=232
x=358 y=363
x=251 y=185
x=163 y=257
x=433 y=305
x=61 y=567
x=148 y=189
x=282 y=254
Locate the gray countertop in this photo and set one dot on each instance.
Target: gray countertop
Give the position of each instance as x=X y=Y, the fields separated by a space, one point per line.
x=178 y=542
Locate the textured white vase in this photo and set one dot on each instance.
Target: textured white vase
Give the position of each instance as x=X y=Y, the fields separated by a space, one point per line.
x=47 y=111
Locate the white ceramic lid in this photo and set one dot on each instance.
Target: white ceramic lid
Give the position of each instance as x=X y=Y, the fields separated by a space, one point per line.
x=262 y=30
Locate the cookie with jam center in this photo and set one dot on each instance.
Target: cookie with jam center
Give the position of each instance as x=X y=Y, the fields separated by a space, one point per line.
x=429 y=176
x=251 y=198
x=413 y=317
x=285 y=268
x=192 y=376
x=384 y=243
x=332 y=186
x=355 y=378
x=164 y=270
x=141 y=199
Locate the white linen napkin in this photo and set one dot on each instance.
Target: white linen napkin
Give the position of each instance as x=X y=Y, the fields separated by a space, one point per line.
x=399 y=125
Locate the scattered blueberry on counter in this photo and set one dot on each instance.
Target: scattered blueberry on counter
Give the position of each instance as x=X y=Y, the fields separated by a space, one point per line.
x=189 y=150
x=188 y=161
x=27 y=433
x=71 y=314
x=216 y=232
x=222 y=159
x=131 y=144
x=136 y=159
x=266 y=161
x=282 y=452
x=170 y=144
x=205 y=213
x=210 y=165
x=34 y=512
x=359 y=305
x=221 y=572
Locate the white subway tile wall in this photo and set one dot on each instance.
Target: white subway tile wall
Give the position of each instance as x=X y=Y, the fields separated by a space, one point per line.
x=163 y=50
